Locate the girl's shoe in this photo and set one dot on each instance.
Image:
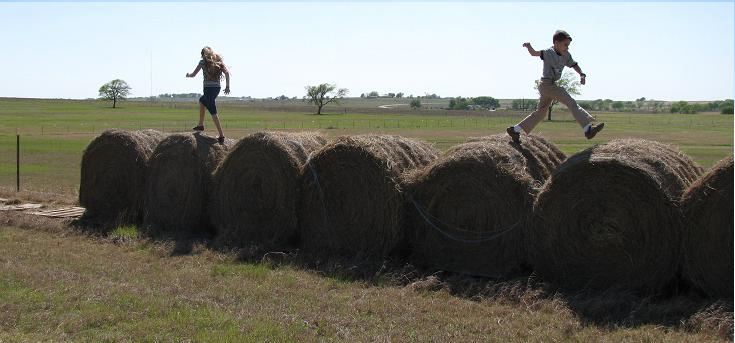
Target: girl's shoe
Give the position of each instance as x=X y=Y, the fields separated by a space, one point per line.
x=513 y=134
x=221 y=140
x=594 y=129
x=198 y=128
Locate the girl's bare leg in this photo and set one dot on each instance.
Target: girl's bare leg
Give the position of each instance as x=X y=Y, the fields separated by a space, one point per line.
x=215 y=119
x=201 y=114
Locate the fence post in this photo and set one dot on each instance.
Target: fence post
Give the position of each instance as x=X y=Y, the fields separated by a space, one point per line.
x=17 y=162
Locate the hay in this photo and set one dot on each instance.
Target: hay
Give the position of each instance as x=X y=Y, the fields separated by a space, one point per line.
x=179 y=177
x=113 y=175
x=708 y=231
x=352 y=201
x=541 y=156
x=608 y=217
x=470 y=205
x=255 y=188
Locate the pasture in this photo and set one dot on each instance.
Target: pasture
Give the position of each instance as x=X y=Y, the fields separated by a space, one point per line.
x=59 y=283
x=54 y=133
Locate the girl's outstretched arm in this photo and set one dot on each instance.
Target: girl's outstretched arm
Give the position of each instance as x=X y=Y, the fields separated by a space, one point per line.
x=227 y=80
x=195 y=72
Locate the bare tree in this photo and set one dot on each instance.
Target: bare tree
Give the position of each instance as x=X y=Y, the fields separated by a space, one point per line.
x=324 y=94
x=568 y=82
x=115 y=90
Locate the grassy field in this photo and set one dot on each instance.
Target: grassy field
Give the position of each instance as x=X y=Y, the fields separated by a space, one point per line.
x=54 y=133
x=58 y=283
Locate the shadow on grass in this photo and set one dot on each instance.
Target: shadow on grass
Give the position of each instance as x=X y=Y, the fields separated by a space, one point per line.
x=678 y=307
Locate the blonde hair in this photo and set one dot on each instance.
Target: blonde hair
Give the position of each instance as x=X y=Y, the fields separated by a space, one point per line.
x=213 y=63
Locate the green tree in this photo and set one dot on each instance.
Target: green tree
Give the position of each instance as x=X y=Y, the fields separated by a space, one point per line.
x=486 y=102
x=115 y=90
x=415 y=104
x=459 y=103
x=400 y=95
x=639 y=103
x=324 y=94
x=726 y=109
x=681 y=107
x=568 y=82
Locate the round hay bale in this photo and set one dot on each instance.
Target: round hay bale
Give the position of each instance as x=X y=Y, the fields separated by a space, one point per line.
x=469 y=208
x=608 y=217
x=708 y=231
x=352 y=202
x=255 y=189
x=541 y=156
x=178 y=183
x=113 y=175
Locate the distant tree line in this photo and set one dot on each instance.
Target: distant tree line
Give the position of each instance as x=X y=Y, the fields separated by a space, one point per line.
x=641 y=104
x=179 y=96
x=460 y=103
x=375 y=94
x=722 y=106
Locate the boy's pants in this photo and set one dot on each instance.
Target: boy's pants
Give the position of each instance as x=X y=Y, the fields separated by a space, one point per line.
x=550 y=92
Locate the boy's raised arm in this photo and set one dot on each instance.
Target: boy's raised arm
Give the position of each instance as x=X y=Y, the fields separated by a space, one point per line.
x=531 y=50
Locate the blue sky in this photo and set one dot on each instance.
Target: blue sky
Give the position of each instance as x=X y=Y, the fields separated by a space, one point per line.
x=657 y=50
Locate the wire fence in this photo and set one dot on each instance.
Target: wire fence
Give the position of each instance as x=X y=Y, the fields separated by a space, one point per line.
x=314 y=124
x=467 y=123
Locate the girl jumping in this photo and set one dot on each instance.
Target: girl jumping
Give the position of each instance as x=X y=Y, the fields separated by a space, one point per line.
x=213 y=67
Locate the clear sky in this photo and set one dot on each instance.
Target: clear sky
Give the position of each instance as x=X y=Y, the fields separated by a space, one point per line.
x=657 y=50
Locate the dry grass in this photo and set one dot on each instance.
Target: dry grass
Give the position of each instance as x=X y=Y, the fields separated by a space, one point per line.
x=58 y=283
x=39 y=197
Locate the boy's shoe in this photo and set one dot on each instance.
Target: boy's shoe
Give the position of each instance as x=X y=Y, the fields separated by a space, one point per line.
x=198 y=128
x=594 y=129
x=513 y=134
x=221 y=140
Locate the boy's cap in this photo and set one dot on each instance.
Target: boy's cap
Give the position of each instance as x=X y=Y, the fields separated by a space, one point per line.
x=561 y=35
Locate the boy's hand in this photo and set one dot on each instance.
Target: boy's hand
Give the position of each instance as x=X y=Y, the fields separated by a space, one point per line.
x=581 y=80
x=227 y=90
x=188 y=75
x=526 y=45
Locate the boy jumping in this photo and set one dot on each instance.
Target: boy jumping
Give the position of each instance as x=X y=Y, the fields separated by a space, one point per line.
x=555 y=59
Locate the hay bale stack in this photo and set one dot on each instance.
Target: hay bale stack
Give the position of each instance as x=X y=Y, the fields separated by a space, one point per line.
x=113 y=175
x=352 y=202
x=469 y=208
x=608 y=217
x=178 y=183
x=541 y=156
x=708 y=231
x=255 y=189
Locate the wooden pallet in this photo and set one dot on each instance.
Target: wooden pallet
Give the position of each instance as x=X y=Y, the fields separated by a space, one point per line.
x=68 y=212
